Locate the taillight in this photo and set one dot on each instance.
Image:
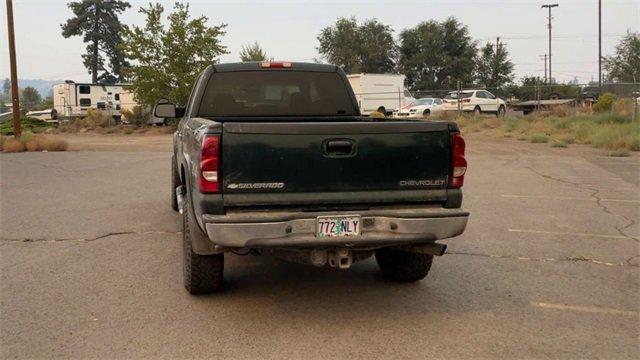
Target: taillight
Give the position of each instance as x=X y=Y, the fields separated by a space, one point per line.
x=209 y=164
x=466 y=100
x=458 y=162
x=268 y=64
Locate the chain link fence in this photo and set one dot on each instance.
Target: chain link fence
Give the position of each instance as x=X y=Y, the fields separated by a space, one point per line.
x=537 y=96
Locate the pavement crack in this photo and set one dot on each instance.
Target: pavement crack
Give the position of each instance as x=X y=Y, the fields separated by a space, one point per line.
x=594 y=194
x=627 y=262
x=99 y=237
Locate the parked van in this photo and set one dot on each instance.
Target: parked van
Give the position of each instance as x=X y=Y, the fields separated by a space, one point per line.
x=384 y=93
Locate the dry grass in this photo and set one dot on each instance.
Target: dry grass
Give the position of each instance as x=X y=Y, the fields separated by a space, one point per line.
x=33 y=142
x=610 y=131
x=539 y=138
x=12 y=145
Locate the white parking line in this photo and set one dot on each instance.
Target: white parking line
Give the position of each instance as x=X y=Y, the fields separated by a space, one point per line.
x=567 y=198
x=568 y=233
x=589 y=309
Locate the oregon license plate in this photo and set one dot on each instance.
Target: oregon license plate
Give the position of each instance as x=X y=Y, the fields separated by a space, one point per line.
x=338 y=226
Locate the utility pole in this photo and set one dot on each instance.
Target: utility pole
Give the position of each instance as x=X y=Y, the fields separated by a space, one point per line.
x=495 y=65
x=550 y=6
x=15 y=95
x=600 y=44
x=545 y=66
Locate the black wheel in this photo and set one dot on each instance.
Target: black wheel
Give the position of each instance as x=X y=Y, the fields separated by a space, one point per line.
x=426 y=113
x=477 y=111
x=202 y=274
x=175 y=182
x=402 y=266
x=382 y=110
x=501 y=111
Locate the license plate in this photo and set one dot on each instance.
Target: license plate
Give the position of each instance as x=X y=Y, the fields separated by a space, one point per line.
x=338 y=226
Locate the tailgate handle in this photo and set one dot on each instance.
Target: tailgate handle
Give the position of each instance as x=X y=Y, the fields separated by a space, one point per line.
x=339 y=147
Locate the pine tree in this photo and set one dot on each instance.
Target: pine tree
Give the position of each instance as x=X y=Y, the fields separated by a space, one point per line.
x=97 y=22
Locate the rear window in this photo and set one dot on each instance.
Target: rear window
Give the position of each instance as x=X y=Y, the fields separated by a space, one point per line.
x=423 y=102
x=454 y=95
x=276 y=93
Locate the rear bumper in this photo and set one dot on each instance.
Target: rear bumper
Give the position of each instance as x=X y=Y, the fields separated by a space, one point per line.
x=382 y=227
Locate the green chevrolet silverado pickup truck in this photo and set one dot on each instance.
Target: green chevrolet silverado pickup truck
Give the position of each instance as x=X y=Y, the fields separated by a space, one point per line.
x=274 y=158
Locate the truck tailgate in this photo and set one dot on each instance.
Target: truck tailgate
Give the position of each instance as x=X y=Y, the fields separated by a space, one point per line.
x=329 y=157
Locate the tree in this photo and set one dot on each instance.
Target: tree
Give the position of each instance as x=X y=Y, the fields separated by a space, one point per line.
x=526 y=89
x=339 y=44
x=167 y=61
x=624 y=65
x=6 y=86
x=253 y=52
x=435 y=55
x=378 y=50
x=97 y=22
x=359 y=48
x=494 y=68
x=30 y=97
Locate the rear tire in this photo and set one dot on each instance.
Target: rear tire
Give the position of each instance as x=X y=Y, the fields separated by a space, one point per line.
x=382 y=110
x=477 y=111
x=175 y=182
x=202 y=274
x=403 y=266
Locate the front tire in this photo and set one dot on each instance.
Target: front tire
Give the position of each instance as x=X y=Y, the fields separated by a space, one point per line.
x=202 y=274
x=426 y=113
x=403 y=266
x=382 y=110
x=501 y=111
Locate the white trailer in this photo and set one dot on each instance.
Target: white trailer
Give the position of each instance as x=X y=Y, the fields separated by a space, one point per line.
x=379 y=92
x=72 y=99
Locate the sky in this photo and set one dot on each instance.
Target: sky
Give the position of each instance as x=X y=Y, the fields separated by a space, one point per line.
x=287 y=30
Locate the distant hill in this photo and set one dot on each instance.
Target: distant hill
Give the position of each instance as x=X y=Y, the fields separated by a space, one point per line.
x=44 y=86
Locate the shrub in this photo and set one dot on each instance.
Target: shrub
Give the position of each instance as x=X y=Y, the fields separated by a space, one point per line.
x=376 y=115
x=561 y=110
x=55 y=144
x=128 y=131
x=138 y=115
x=559 y=144
x=26 y=123
x=12 y=145
x=605 y=102
x=539 y=138
x=34 y=143
x=97 y=118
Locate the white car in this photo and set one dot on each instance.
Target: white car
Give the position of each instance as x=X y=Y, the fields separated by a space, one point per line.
x=476 y=101
x=421 y=108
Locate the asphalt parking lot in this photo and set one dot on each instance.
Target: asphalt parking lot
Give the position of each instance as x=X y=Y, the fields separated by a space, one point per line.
x=90 y=263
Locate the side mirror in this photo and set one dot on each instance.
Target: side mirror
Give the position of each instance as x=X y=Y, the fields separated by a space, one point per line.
x=165 y=110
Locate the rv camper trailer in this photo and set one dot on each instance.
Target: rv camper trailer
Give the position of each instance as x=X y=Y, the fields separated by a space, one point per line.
x=73 y=99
